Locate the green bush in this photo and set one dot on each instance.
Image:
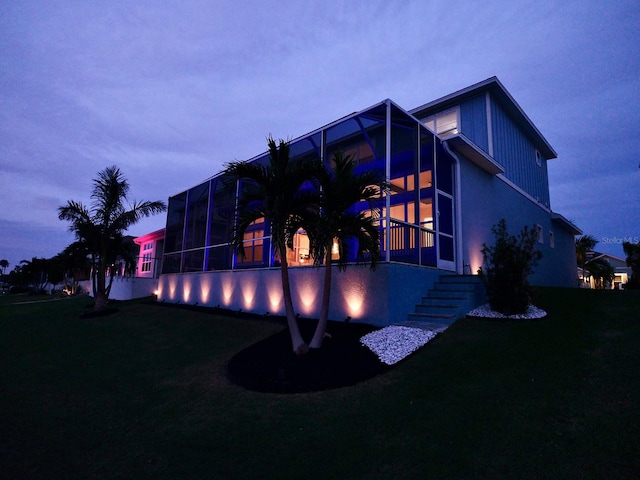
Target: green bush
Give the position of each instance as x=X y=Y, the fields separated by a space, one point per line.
x=507 y=266
x=632 y=250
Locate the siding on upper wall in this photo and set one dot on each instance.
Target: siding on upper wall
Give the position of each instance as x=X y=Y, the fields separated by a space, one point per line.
x=517 y=154
x=473 y=121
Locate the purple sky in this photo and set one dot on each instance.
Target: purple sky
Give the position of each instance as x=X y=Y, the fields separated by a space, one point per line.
x=169 y=91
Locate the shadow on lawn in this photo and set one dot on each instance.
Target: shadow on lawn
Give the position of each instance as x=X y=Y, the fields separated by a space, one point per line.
x=271 y=366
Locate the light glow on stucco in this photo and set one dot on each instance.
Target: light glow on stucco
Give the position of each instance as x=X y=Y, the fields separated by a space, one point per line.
x=353 y=297
x=274 y=292
x=186 y=290
x=205 y=289
x=248 y=287
x=173 y=284
x=227 y=290
x=307 y=293
x=475 y=262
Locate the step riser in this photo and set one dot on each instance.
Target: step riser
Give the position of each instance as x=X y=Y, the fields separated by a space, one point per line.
x=455 y=287
x=416 y=317
x=449 y=299
x=437 y=309
x=448 y=294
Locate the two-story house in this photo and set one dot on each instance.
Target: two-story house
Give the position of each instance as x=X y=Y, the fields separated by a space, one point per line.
x=455 y=166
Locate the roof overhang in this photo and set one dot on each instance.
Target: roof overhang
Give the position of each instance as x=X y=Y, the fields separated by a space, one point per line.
x=149 y=237
x=470 y=150
x=564 y=223
x=503 y=97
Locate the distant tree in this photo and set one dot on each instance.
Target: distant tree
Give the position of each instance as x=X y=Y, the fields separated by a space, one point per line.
x=507 y=266
x=101 y=225
x=342 y=188
x=4 y=264
x=276 y=192
x=602 y=272
x=632 y=251
x=34 y=273
x=584 y=245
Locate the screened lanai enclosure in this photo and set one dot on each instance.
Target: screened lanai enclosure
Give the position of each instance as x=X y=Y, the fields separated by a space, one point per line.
x=416 y=211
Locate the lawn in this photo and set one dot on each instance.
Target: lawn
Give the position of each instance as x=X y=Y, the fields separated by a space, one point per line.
x=143 y=393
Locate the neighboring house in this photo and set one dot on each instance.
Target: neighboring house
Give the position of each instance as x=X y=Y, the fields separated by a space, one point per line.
x=150 y=254
x=621 y=269
x=455 y=166
x=141 y=280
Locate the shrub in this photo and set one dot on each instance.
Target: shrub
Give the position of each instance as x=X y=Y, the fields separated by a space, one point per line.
x=632 y=251
x=507 y=266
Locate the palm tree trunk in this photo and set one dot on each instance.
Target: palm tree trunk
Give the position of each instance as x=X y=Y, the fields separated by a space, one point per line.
x=297 y=342
x=101 y=298
x=321 y=328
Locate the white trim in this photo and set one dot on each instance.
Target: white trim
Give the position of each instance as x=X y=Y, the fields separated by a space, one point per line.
x=523 y=193
x=489 y=124
x=387 y=174
x=457 y=210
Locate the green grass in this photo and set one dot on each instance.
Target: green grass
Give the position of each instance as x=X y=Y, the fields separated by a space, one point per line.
x=143 y=393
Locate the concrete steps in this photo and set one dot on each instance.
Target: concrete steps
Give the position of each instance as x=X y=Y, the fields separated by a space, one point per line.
x=451 y=298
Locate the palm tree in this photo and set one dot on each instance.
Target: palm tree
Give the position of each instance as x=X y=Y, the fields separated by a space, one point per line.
x=4 y=264
x=276 y=192
x=101 y=226
x=339 y=221
x=584 y=245
x=602 y=272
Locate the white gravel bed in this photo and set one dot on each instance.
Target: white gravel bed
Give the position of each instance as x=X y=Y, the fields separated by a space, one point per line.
x=485 y=311
x=393 y=343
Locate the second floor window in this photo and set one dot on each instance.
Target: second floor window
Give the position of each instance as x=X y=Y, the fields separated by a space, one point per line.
x=443 y=123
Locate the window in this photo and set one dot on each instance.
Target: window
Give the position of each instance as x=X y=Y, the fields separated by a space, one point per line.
x=146 y=262
x=538 y=158
x=552 y=240
x=540 y=233
x=147 y=257
x=443 y=123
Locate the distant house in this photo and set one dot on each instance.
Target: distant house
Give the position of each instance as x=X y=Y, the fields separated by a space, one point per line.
x=456 y=166
x=140 y=280
x=150 y=254
x=621 y=269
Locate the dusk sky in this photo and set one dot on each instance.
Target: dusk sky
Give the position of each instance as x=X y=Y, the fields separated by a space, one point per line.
x=170 y=91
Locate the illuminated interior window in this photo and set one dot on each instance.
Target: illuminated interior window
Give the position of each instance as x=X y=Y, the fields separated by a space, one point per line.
x=402 y=184
x=335 y=250
x=253 y=243
x=300 y=255
x=443 y=123
x=426 y=213
x=425 y=179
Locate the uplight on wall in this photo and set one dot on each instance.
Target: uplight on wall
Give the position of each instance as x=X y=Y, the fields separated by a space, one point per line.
x=307 y=292
x=274 y=292
x=186 y=290
x=248 y=286
x=227 y=290
x=205 y=289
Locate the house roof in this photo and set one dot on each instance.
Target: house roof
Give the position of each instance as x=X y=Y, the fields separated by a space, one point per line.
x=563 y=222
x=495 y=87
x=148 y=237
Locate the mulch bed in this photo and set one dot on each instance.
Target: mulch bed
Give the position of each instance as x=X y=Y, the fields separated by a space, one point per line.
x=271 y=366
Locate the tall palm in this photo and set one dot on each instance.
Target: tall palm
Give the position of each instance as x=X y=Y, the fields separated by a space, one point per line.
x=277 y=193
x=4 y=264
x=101 y=225
x=584 y=245
x=338 y=220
